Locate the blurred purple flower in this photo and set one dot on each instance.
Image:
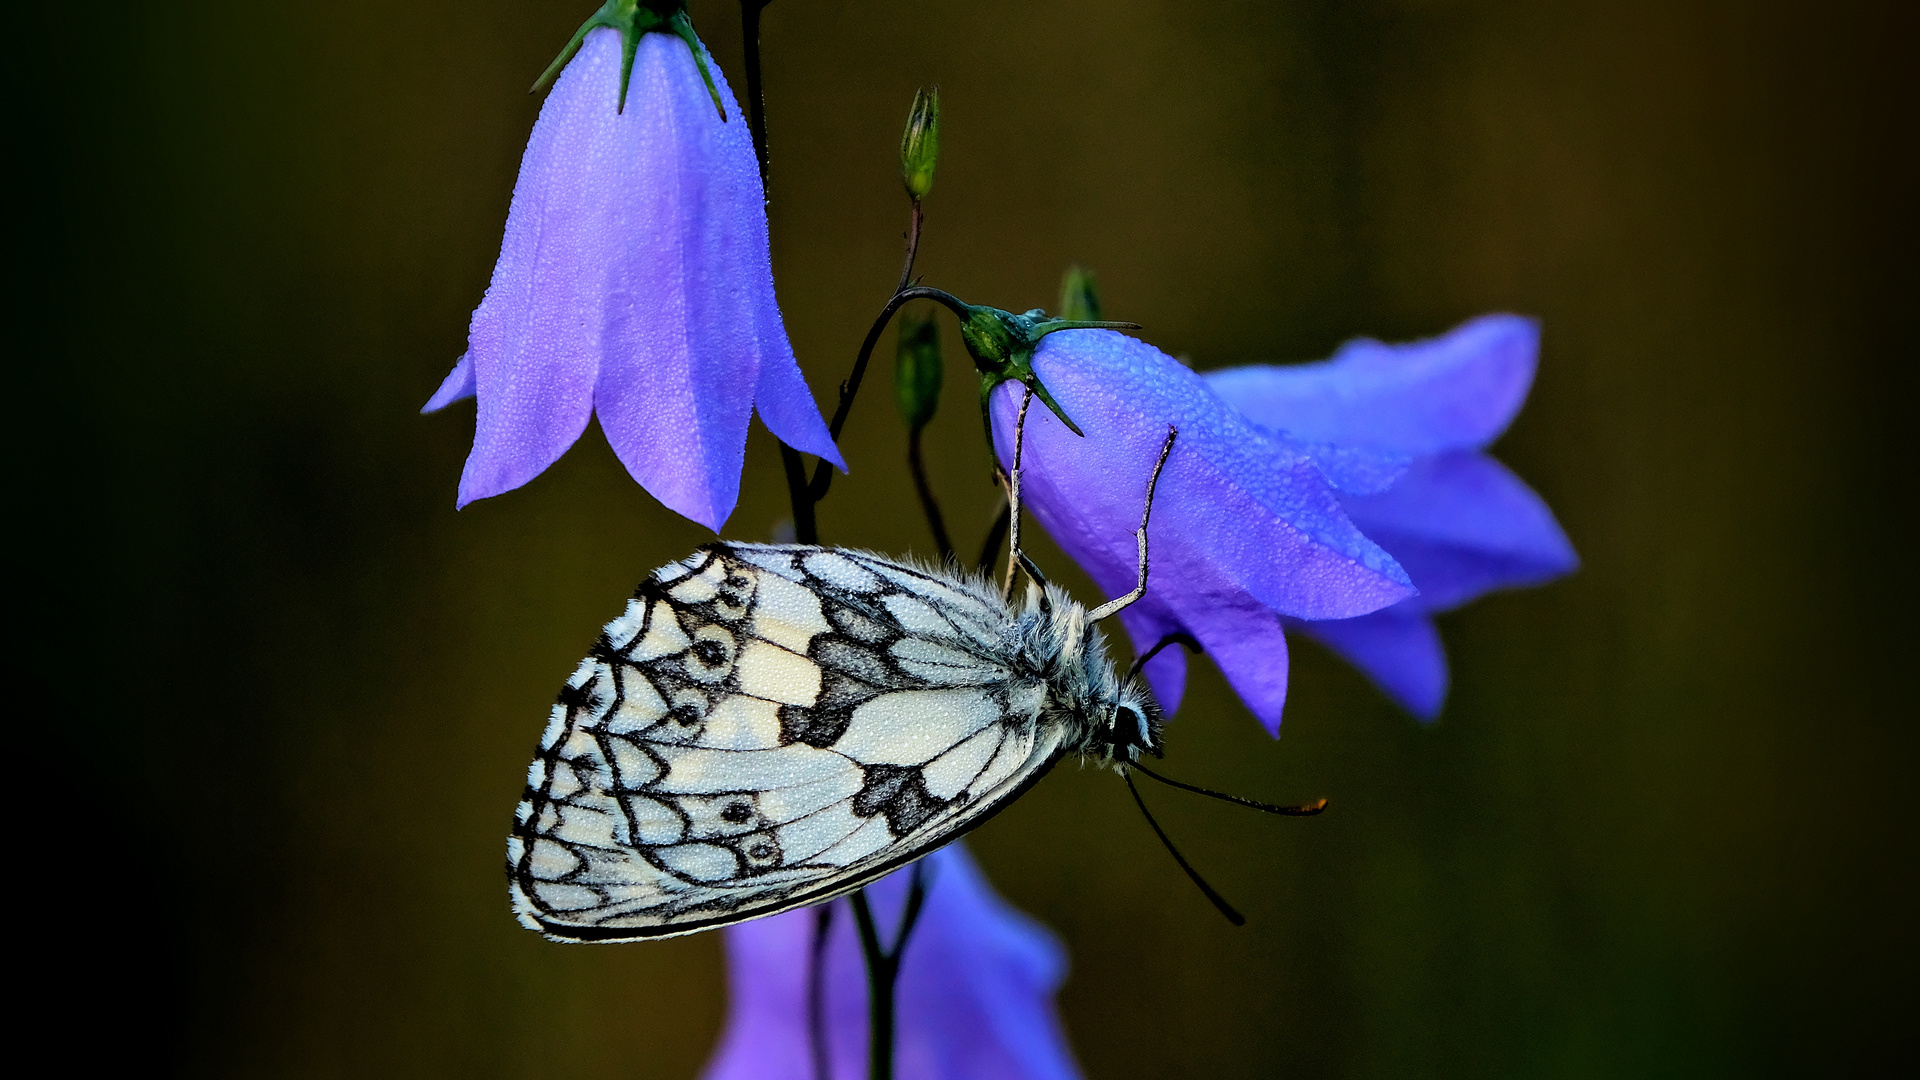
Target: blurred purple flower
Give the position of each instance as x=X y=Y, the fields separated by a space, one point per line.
x=974 y=999
x=1247 y=527
x=634 y=283
x=1458 y=521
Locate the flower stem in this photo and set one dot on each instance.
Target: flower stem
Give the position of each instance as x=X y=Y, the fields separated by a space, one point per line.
x=883 y=970
x=928 y=503
x=806 y=529
x=756 y=100
x=913 y=246
x=817 y=994
x=823 y=472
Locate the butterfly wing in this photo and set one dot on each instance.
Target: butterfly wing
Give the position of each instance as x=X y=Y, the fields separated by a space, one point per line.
x=766 y=727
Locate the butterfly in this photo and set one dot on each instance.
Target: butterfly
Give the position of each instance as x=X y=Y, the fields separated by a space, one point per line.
x=767 y=726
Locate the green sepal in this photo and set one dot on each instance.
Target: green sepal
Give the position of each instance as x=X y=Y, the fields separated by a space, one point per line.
x=1002 y=345
x=634 y=18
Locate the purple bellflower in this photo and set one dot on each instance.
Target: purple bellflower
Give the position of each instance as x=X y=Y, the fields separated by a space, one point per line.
x=974 y=1000
x=1457 y=520
x=634 y=283
x=1247 y=526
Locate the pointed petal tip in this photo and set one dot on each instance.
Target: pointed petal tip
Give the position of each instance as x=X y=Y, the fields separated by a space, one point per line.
x=1422 y=701
x=701 y=492
x=1400 y=652
x=832 y=455
x=705 y=516
x=702 y=511
x=457 y=386
x=470 y=494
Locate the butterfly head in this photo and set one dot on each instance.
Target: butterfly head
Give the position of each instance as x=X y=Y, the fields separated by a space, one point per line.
x=1132 y=725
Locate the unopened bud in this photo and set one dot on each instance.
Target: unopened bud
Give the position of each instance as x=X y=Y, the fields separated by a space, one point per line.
x=920 y=145
x=917 y=371
x=1079 y=295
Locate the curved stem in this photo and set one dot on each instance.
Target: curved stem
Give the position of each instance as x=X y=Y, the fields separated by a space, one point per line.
x=823 y=472
x=928 y=503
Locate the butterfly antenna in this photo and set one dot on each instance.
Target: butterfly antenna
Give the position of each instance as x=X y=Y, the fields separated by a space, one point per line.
x=1304 y=810
x=1219 y=901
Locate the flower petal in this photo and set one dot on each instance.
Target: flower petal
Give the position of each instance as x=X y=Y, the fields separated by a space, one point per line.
x=457 y=386
x=1462 y=525
x=1399 y=649
x=1248 y=644
x=1236 y=510
x=783 y=399
x=977 y=982
x=536 y=337
x=1457 y=391
x=1148 y=623
x=974 y=997
x=688 y=252
x=1355 y=470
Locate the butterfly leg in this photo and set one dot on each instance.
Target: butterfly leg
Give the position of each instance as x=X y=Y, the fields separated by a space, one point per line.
x=1178 y=637
x=1118 y=603
x=1016 y=556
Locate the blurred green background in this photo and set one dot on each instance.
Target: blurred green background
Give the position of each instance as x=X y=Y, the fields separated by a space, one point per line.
x=1665 y=827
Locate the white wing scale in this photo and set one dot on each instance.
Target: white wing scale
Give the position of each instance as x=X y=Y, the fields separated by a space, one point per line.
x=765 y=727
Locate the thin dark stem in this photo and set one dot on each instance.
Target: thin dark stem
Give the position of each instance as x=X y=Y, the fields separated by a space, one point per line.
x=805 y=530
x=996 y=535
x=916 y=899
x=883 y=970
x=880 y=972
x=817 y=993
x=928 y=503
x=913 y=246
x=823 y=472
x=756 y=100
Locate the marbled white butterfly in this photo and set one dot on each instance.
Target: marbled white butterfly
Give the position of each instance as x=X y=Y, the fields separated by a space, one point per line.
x=769 y=726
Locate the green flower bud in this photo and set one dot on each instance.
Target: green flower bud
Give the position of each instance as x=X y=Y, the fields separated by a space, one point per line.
x=917 y=370
x=920 y=145
x=1079 y=295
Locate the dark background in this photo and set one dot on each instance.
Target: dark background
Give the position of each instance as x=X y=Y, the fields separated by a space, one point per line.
x=286 y=694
